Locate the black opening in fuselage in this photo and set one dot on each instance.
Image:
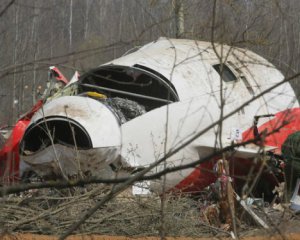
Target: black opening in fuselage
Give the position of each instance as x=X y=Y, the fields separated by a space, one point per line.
x=138 y=83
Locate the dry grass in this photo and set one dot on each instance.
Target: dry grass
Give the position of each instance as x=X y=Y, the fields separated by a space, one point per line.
x=53 y=211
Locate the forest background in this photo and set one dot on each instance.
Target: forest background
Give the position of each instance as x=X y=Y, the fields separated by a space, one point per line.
x=82 y=34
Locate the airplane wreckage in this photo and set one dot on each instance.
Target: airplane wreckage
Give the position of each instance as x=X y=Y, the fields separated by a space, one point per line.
x=138 y=108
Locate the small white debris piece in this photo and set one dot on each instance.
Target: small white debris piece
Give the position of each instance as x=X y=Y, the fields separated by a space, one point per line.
x=295 y=200
x=232 y=235
x=141 y=188
x=254 y=201
x=278 y=207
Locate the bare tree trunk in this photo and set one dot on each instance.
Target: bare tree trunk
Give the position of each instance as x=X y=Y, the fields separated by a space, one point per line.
x=88 y=4
x=35 y=52
x=179 y=18
x=14 y=114
x=247 y=20
x=121 y=21
x=52 y=32
x=22 y=94
x=70 y=25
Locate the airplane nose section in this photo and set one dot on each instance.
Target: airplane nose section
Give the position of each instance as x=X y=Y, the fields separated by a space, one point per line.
x=71 y=133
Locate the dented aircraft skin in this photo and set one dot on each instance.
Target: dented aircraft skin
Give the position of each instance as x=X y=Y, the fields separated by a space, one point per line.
x=137 y=108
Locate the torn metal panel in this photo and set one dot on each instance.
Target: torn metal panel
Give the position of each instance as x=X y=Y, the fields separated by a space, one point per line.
x=57 y=160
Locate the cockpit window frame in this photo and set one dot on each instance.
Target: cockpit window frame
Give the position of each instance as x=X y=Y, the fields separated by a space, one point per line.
x=129 y=84
x=227 y=74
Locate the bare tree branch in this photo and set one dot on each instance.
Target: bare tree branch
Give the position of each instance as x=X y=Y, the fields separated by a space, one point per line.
x=6 y=7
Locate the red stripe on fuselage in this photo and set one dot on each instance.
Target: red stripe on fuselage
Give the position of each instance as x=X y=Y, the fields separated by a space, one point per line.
x=201 y=177
x=287 y=122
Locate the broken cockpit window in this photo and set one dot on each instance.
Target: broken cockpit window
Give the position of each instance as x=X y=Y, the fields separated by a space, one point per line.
x=129 y=91
x=224 y=71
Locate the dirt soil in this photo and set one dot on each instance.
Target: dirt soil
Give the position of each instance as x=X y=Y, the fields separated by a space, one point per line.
x=291 y=236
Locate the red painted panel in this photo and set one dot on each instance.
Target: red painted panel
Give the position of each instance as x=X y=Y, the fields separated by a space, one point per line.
x=287 y=122
x=9 y=154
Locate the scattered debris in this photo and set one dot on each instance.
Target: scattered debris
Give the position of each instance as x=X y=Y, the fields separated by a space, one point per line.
x=252 y=213
x=295 y=200
x=53 y=211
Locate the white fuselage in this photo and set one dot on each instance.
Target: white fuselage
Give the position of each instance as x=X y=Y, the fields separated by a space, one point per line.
x=206 y=81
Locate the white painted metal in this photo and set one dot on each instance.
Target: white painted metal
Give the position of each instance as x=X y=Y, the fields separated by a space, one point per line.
x=100 y=123
x=189 y=66
x=73 y=79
